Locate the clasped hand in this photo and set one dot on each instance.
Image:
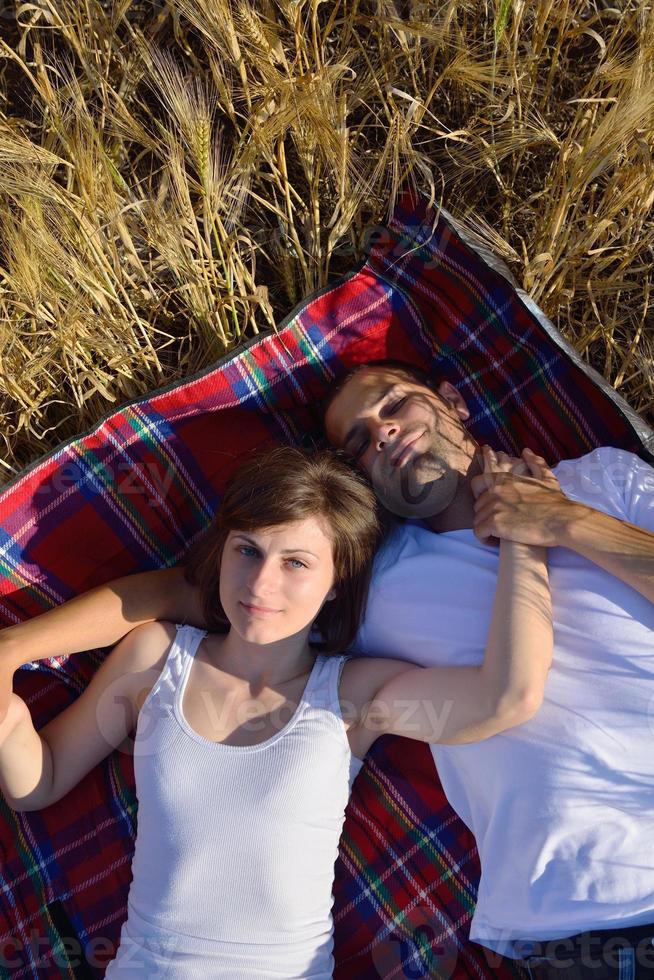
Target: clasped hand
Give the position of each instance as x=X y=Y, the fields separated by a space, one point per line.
x=518 y=498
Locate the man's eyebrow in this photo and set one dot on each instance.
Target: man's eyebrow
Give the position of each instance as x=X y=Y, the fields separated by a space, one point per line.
x=287 y=551
x=356 y=426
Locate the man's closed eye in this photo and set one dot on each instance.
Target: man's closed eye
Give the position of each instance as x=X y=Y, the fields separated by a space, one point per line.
x=359 y=448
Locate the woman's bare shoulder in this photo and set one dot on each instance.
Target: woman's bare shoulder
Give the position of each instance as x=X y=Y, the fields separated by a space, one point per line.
x=149 y=643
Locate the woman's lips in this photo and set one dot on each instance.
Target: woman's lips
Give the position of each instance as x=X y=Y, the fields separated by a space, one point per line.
x=259 y=610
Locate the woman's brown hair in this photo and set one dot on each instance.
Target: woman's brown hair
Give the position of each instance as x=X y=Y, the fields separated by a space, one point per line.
x=283 y=485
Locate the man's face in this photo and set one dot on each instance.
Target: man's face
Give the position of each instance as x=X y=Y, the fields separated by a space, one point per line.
x=410 y=442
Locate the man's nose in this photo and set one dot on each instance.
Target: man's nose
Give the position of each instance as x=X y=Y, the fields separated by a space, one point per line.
x=384 y=433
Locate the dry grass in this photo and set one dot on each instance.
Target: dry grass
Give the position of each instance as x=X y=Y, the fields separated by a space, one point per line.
x=174 y=176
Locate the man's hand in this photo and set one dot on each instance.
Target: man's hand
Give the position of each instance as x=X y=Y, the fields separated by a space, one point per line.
x=495 y=462
x=529 y=509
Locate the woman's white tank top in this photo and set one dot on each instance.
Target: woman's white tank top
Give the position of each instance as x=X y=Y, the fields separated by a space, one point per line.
x=235 y=850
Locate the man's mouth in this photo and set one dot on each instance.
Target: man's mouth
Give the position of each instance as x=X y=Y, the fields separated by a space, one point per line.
x=401 y=455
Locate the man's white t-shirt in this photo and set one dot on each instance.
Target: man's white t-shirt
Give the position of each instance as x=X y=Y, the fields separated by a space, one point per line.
x=562 y=807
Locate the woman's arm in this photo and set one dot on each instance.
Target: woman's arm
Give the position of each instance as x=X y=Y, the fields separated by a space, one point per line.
x=98 y=618
x=38 y=768
x=103 y=615
x=26 y=768
x=467 y=704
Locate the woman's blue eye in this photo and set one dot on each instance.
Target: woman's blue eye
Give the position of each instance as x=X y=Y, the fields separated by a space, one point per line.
x=249 y=552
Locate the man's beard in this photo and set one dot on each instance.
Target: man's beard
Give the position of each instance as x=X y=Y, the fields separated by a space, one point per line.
x=423 y=487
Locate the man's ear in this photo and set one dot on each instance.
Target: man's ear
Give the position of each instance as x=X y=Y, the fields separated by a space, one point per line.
x=454 y=399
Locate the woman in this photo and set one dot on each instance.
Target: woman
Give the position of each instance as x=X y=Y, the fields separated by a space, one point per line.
x=248 y=737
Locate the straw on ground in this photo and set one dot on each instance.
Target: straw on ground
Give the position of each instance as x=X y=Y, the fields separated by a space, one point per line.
x=175 y=175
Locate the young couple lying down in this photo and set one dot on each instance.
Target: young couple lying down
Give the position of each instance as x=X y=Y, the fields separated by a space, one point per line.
x=505 y=615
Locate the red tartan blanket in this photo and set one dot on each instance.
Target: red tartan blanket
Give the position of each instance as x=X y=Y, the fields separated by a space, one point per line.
x=136 y=490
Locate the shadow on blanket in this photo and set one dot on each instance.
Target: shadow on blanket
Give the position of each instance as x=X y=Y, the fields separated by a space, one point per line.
x=135 y=491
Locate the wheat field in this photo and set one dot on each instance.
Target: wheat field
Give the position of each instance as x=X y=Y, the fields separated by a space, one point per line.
x=176 y=175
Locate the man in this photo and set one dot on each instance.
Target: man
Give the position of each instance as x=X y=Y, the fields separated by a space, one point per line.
x=562 y=807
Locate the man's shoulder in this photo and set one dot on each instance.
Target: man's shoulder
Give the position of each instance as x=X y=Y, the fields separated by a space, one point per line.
x=401 y=541
x=605 y=463
x=398 y=534
x=605 y=479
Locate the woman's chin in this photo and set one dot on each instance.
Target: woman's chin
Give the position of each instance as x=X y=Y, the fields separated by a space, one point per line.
x=262 y=632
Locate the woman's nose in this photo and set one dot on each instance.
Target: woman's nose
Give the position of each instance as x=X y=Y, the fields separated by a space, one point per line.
x=264 y=578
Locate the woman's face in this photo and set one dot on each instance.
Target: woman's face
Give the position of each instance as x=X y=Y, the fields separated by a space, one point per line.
x=274 y=582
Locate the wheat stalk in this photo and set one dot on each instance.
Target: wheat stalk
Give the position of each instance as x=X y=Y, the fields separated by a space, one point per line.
x=174 y=176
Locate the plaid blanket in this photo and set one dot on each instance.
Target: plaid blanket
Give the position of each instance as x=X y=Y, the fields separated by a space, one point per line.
x=133 y=493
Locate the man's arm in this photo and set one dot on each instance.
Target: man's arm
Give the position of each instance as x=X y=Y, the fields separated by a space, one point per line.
x=623 y=549
x=535 y=511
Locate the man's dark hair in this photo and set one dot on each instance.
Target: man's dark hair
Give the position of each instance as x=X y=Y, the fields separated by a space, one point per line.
x=411 y=371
